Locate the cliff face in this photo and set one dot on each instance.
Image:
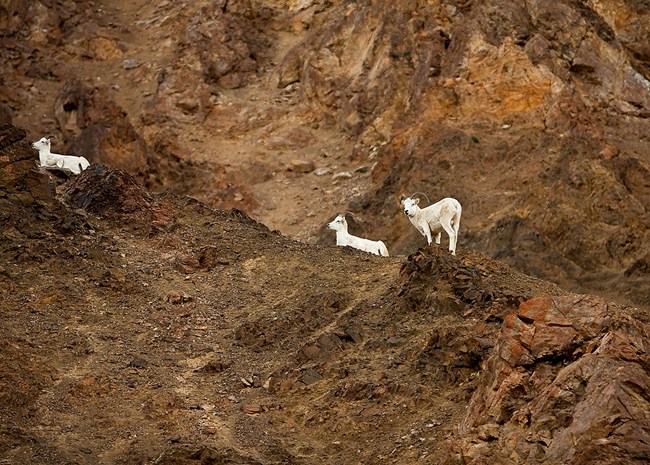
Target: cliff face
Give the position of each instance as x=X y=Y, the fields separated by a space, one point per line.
x=532 y=114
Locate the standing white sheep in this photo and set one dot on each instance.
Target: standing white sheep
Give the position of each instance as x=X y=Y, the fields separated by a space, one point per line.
x=443 y=215
x=343 y=238
x=65 y=162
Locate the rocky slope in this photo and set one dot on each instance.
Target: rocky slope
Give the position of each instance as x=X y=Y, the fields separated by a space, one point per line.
x=144 y=328
x=533 y=114
x=237 y=344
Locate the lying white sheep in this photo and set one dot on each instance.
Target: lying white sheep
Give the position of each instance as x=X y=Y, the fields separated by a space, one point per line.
x=443 y=215
x=343 y=238
x=64 y=162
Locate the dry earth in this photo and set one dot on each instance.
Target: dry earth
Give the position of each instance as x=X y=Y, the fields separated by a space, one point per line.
x=145 y=328
x=141 y=325
x=534 y=115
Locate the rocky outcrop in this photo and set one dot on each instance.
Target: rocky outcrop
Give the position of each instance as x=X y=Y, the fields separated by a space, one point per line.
x=221 y=46
x=101 y=190
x=567 y=382
x=27 y=194
x=97 y=128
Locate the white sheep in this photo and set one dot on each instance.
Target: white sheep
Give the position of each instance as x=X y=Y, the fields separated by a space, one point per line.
x=443 y=215
x=343 y=238
x=64 y=162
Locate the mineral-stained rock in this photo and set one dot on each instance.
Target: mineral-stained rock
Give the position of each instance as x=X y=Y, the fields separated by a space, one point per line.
x=567 y=383
x=102 y=191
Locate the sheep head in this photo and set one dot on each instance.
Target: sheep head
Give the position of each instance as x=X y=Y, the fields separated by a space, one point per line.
x=339 y=223
x=410 y=206
x=42 y=143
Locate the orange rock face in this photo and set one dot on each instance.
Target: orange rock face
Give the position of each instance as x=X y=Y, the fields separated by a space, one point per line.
x=563 y=385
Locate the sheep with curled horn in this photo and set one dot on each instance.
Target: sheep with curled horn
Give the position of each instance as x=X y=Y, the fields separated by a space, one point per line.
x=344 y=238
x=440 y=216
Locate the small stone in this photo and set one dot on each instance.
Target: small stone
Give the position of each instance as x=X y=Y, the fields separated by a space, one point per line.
x=130 y=63
x=251 y=409
x=342 y=175
x=321 y=171
x=138 y=363
x=301 y=166
x=188 y=105
x=311 y=376
x=312 y=352
x=178 y=298
x=213 y=367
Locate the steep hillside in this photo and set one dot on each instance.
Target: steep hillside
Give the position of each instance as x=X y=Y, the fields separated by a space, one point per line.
x=533 y=114
x=146 y=328
x=181 y=301
x=142 y=328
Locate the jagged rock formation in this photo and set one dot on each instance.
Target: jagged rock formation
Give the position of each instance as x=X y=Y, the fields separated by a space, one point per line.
x=567 y=383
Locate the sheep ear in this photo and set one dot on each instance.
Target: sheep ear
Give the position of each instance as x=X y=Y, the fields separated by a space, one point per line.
x=417 y=201
x=402 y=198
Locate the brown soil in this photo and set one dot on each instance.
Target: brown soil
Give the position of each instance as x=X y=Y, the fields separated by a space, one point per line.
x=181 y=301
x=154 y=329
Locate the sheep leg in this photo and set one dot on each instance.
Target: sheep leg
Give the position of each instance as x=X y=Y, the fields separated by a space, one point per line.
x=438 y=236
x=452 y=236
x=426 y=232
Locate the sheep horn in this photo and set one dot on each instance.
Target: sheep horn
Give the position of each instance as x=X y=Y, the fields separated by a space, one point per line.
x=425 y=196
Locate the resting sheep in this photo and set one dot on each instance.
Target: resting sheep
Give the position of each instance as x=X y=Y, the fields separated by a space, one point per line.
x=64 y=162
x=343 y=238
x=443 y=215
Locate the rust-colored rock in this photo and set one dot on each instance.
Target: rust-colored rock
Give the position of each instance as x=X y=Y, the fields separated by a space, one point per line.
x=103 y=191
x=564 y=385
x=97 y=128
